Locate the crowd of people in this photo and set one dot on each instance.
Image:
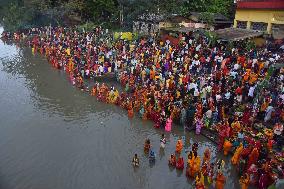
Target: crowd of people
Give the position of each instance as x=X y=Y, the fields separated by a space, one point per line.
x=235 y=92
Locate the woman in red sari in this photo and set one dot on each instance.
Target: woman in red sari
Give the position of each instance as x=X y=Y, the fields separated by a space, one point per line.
x=130 y=110
x=220 y=181
x=253 y=157
x=246 y=116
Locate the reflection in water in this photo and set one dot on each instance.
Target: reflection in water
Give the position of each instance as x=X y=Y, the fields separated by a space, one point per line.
x=55 y=136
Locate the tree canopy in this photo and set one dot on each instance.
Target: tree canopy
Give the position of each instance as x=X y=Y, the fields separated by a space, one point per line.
x=19 y=14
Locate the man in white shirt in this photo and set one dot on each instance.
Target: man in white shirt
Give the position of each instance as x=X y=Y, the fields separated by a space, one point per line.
x=203 y=93
x=227 y=95
x=198 y=47
x=208 y=114
x=196 y=92
x=87 y=73
x=234 y=74
x=236 y=66
x=254 y=61
x=191 y=86
x=208 y=89
x=101 y=70
x=218 y=98
x=250 y=93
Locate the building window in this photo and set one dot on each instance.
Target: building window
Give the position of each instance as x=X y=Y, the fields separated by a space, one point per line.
x=278 y=31
x=242 y=24
x=260 y=26
x=278 y=27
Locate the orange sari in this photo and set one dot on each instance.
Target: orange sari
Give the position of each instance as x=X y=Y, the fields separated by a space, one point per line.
x=220 y=181
x=236 y=157
x=227 y=147
x=179 y=146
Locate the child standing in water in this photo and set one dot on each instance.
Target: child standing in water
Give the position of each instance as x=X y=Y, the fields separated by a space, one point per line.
x=147 y=145
x=152 y=156
x=135 y=161
x=172 y=160
x=163 y=141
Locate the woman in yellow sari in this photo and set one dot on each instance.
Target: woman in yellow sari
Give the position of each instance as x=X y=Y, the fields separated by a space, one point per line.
x=196 y=165
x=253 y=78
x=116 y=95
x=193 y=164
x=260 y=67
x=246 y=77
x=199 y=181
x=190 y=162
x=236 y=126
x=244 y=181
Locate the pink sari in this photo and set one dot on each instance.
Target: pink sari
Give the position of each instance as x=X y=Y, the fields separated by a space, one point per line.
x=168 y=126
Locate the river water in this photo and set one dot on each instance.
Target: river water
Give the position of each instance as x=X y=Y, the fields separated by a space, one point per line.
x=54 y=136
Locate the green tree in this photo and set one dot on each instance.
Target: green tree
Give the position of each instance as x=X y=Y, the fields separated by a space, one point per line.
x=26 y=13
x=213 y=6
x=220 y=6
x=207 y=17
x=12 y=20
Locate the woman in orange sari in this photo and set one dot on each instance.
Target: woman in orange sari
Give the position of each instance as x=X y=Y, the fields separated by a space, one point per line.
x=137 y=104
x=179 y=146
x=70 y=65
x=253 y=157
x=196 y=164
x=94 y=91
x=46 y=51
x=131 y=82
x=152 y=74
x=260 y=67
x=130 y=110
x=190 y=162
x=207 y=155
x=220 y=181
x=236 y=157
x=253 y=78
x=193 y=164
x=246 y=77
x=199 y=110
x=144 y=117
x=227 y=147
x=175 y=113
x=80 y=81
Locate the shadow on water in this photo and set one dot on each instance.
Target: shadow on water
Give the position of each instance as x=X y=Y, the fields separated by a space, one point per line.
x=64 y=138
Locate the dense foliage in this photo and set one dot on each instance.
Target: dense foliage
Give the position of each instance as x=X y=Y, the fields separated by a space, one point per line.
x=20 y=14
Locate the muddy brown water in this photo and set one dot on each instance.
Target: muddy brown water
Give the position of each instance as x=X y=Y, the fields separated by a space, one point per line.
x=54 y=136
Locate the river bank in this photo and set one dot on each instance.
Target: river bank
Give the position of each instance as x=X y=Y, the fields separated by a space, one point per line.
x=55 y=136
x=78 y=69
